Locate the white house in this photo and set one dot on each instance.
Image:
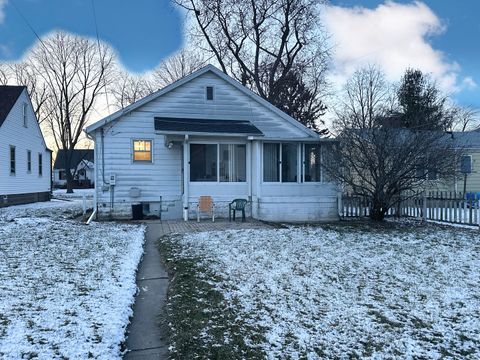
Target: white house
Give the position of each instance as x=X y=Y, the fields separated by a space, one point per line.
x=25 y=161
x=206 y=134
x=82 y=164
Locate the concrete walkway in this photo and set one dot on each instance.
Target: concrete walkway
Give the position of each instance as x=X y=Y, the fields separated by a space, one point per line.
x=146 y=338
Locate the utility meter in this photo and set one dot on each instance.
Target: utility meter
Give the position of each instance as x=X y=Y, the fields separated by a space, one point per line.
x=112 y=180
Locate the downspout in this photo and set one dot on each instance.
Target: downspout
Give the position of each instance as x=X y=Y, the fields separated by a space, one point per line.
x=186 y=177
x=95 y=206
x=250 y=175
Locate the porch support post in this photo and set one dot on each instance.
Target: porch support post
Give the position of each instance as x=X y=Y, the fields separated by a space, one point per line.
x=186 y=177
x=249 y=167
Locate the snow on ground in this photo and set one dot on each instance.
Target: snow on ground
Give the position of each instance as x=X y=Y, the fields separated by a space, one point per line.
x=54 y=209
x=346 y=292
x=77 y=193
x=66 y=289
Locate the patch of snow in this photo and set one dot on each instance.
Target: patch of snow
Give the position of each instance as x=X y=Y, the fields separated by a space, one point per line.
x=411 y=292
x=66 y=289
x=77 y=193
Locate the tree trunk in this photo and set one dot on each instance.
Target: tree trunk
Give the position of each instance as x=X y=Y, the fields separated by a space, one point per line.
x=378 y=211
x=67 y=163
x=69 y=181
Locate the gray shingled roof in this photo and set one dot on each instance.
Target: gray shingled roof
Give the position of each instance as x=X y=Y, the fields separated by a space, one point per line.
x=8 y=97
x=467 y=140
x=177 y=125
x=77 y=157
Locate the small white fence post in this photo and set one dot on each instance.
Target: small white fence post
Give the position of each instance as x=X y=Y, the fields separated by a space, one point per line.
x=84 y=204
x=340 y=205
x=424 y=206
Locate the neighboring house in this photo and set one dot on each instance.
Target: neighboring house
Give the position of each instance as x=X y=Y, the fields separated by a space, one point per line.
x=206 y=134
x=467 y=144
x=82 y=165
x=25 y=161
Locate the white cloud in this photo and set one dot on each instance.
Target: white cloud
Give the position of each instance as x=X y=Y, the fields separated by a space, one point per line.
x=2 y=10
x=469 y=83
x=393 y=36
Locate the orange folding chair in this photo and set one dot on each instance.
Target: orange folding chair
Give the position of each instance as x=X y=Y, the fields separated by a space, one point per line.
x=205 y=204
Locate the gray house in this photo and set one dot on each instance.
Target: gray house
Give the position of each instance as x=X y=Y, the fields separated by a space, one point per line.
x=207 y=135
x=82 y=164
x=25 y=160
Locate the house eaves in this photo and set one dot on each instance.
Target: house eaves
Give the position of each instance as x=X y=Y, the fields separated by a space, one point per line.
x=116 y=115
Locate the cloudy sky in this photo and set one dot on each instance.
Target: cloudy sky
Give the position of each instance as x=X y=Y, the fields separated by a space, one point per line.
x=438 y=36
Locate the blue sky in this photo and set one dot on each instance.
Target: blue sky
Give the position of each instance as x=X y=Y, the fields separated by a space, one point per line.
x=459 y=42
x=143 y=32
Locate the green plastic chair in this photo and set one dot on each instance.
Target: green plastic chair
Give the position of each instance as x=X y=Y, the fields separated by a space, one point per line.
x=236 y=205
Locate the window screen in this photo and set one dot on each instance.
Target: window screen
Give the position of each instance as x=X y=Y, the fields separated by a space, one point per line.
x=203 y=162
x=271 y=162
x=312 y=163
x=233 y=163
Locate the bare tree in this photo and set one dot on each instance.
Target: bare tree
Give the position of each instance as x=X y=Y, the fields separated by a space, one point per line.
x=177 y=66
x=3 y=74
x=379 y=161
x=22 y=74
x=74 y=71
x=465 y=118
x=260 y=42
x=128 y=88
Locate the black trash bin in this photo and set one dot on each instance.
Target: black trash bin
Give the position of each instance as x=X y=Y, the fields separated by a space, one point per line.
x=137 y=211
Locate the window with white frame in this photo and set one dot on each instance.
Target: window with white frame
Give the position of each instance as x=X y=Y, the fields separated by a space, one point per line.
x=312 y=161
x=280 y=162
x=40 y=165
x=142 y=150
x=203 y=162
x=233 y=167
x=12 y=160
x=271 y=162
x=218 y=162
x=29 y=161
x=24 y=113
x=289 y=162
x=209 y=93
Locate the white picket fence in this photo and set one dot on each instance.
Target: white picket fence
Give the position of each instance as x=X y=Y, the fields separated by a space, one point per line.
x=449 y=207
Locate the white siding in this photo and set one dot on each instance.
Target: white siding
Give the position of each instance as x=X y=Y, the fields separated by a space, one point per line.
x=13 y=133
x=163 y=177
x=229 y=104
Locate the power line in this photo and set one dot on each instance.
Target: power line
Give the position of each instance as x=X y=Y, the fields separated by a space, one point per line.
x=29 y=25
x=99 y=51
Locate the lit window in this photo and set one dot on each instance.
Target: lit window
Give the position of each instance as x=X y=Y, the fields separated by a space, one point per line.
x=209 y=92
x=142 y=150
x=25 y=120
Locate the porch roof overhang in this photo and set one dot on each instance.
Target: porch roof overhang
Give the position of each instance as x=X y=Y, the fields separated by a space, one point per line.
x=205 y=127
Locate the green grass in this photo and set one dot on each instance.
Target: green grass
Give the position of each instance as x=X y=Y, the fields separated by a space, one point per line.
x=201 y=322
